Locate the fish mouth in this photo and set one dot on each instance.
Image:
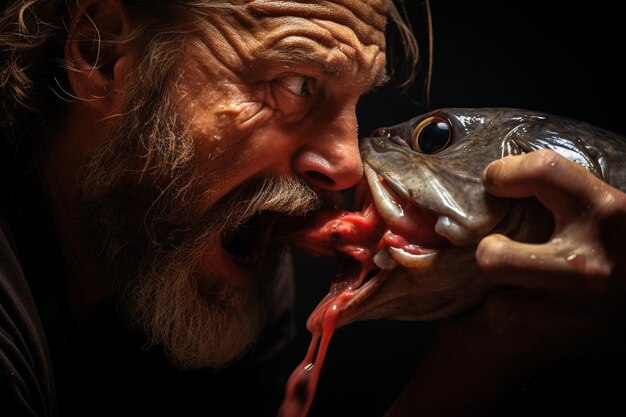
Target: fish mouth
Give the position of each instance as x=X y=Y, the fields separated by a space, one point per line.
x=382 y=231
x=408 y=240
x=411 y=236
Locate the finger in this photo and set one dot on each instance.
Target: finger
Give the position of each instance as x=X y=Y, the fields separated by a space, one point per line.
x=562 y=186
x=552 y=265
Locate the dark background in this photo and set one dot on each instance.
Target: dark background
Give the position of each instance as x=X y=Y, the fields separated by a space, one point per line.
x=559 y=57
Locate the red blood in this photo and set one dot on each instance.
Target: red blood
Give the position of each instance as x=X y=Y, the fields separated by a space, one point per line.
x=302 y=383
x=328 y=233
x=359 y=235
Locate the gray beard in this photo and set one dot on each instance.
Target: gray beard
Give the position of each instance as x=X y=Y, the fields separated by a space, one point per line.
x=207 y=327
x=146 y=230
x=199 y=319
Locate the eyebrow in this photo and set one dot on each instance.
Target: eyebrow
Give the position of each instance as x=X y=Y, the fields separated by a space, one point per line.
x=303 y=54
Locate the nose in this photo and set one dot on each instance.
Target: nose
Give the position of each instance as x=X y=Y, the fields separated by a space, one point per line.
x=329 y=156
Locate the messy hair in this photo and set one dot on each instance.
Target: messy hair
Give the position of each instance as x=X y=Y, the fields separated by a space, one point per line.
x=33 y=34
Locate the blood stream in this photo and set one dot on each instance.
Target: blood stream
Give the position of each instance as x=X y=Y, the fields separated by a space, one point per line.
x=303 y=381
x=356 y=234
x=359 y=235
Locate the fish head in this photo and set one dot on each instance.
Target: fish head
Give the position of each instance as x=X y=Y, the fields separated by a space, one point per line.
x=424 y=180
x=436 y=162
x=407 y=246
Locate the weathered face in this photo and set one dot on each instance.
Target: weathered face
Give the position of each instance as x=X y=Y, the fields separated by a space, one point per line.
x=273 y=89
x=259 y=118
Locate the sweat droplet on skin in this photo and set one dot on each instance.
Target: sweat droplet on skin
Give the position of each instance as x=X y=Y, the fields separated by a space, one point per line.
x=576 y=260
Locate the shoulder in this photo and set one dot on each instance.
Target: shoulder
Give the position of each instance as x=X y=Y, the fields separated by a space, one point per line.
x=25 y=374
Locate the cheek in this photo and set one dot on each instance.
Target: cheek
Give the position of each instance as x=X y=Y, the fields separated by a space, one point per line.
x=224 y=133
x=217 y=151
x=234 y=135
x=225 y=149
x=221 y=120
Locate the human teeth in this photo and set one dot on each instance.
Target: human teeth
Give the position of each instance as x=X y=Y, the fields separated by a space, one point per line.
x=383 y=260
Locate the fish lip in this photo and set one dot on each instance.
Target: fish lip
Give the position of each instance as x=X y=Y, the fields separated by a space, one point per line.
x=393 y=214
x=350 y=313
x=364 y=292
x=450 y=226
x=381 y=196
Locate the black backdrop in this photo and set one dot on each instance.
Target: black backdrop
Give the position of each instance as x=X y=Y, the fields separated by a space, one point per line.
x=559 y=57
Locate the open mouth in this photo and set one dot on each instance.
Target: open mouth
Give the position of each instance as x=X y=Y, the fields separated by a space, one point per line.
x=409 y=227
x=245 y=243
x=382 y=232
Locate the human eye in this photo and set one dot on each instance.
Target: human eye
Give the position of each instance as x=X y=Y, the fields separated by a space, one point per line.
x=299 y=85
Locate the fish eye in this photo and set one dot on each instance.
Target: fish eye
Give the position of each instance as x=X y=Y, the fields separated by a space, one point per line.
x=431 y=135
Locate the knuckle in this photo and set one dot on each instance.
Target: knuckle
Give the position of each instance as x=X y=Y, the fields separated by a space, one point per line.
x=490 y=252
x=545 y=163
x=610 y=204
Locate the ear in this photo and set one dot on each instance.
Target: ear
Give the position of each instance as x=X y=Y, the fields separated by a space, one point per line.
x=96 y=58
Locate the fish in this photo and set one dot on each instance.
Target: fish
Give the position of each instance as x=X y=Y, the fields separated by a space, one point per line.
x=406 y=248
x=408 y=245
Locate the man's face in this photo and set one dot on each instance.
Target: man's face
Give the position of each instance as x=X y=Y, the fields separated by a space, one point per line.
x=276 y=92
x=257 y=119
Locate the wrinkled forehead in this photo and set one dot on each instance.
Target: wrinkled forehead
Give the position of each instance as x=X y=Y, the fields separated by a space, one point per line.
x=368 y=11
x=366 y=18
x=343 y=39
x=360 y=8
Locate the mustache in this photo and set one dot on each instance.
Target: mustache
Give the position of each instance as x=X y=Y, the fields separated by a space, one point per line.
x=283 y=194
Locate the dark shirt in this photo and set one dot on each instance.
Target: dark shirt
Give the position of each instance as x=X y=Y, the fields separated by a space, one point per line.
x=26 y=383
x=47 y=368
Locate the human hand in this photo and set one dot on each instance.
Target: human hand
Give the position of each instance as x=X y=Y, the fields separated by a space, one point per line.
x=585 y=249
x=573 y=286
x=564 y=297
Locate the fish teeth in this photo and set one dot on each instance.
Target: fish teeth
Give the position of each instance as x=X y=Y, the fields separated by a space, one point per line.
x=383 y=200
x=383 y=260
x=453 y=231
x=411 y=260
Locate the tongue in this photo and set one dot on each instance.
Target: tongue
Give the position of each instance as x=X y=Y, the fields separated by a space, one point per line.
x=333 y=232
